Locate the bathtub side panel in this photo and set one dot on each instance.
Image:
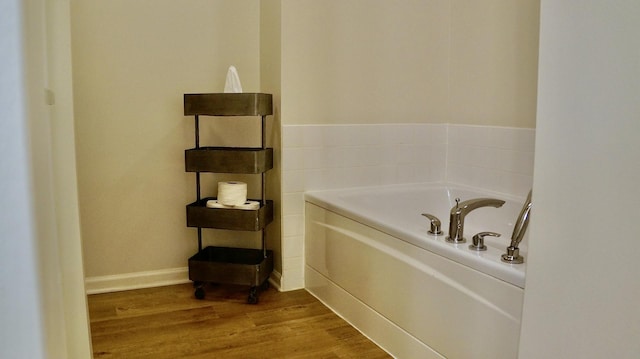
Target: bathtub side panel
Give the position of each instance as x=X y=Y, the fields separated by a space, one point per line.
x=372 y=324
x=456 y=311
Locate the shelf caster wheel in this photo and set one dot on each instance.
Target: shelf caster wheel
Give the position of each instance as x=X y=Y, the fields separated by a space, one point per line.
x=199 y=293
x=265 y=285
x=253 y=296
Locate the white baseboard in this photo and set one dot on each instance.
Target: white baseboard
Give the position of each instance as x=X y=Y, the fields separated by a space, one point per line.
x=149 y=279
x=276 y=280
x=137 y=280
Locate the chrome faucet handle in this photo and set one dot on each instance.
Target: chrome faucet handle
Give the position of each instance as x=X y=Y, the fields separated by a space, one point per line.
x=457 y=202
x=478 y=240
x=435 y=224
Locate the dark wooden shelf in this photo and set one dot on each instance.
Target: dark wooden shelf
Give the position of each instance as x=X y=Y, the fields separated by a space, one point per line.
x=199 y=215
x=228 y=160
x=231 y=265
x=228 y=104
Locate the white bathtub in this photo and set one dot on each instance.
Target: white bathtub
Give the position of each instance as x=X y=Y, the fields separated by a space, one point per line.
x=368 y=256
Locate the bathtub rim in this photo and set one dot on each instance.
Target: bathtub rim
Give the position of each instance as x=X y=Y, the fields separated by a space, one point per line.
x=487 y=262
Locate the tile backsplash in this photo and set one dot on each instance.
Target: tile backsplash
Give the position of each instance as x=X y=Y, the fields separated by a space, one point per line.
x=499 y=159
x=319 y=157
x=325 y=157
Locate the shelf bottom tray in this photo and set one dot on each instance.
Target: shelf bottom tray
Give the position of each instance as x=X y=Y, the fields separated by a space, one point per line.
x=231 y=266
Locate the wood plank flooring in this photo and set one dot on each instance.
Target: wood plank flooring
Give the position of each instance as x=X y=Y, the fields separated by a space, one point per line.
x=168 y=322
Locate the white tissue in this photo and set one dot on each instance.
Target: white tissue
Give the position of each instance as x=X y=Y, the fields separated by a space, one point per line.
x=248 y=205
x=232 y=193
x=232 y=85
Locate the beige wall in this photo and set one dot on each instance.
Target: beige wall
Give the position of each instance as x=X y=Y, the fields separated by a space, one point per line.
x=27 y=228
x=327 y=62
x=364 y=61
x=75 y=338
x=580 y=288
x=494 y=62
x=439 y=61
x=270 y=61
x=132 y=62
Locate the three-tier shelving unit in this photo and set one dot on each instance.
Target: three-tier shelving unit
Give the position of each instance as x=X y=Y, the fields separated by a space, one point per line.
x=229 y=265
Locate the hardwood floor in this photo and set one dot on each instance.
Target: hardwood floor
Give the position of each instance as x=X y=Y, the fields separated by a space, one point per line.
x=168 y=322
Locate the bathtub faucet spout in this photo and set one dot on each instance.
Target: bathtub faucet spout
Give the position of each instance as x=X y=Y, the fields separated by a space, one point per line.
x=461 y=210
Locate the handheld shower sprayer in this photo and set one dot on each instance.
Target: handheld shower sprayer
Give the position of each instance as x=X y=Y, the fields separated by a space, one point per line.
x=513 y=252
